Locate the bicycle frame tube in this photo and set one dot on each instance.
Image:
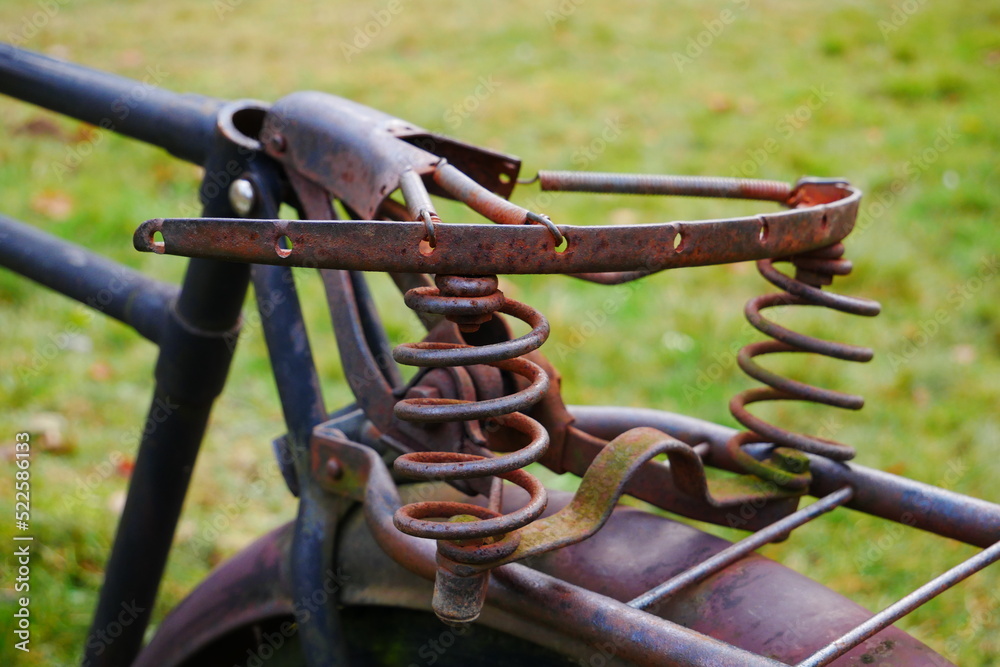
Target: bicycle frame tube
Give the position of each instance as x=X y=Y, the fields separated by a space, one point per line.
x=195 y=352
x=881 y=494
x=109 y=287
x=196 y=328
x=182 y=124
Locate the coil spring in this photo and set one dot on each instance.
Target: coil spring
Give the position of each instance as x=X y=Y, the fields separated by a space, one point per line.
x=470 y=301
x=813 y=270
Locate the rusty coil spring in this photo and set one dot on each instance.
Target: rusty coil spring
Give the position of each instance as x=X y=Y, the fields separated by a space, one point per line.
x=813 y=270
x=469 y=302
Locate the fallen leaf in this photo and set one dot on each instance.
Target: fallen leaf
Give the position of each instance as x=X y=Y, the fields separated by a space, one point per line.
x=131 y=58
x=40 y=127
x=963 y=354
x=720 y=103
x=53 y=204
x=49 y=429
x=896 y=468
x=125 y=467
x=99 y=371
x=85 y=134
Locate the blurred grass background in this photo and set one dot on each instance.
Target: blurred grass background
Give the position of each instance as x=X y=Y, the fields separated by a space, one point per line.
x=901 y=98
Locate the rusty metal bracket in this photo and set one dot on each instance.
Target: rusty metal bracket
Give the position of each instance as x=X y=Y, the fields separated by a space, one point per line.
x=602 y=486
x=358 y=154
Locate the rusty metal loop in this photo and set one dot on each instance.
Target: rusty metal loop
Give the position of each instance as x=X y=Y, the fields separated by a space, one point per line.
x=430 y=300
x=428 y=219
x=813 y=270
x=449 y=409
x=557 y=235
x=486 y=203
x=797 y=481
x=441 y=465
x=413 y=520
x=438 y=355
x=810 y=294
x=478 y=551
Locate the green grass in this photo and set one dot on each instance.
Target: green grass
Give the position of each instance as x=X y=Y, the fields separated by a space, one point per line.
x=561 y=81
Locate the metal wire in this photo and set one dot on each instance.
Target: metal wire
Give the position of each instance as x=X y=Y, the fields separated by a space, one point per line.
x=901 y=608
x=731 y=554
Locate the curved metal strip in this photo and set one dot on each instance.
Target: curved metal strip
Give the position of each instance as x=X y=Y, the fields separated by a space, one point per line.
x=366 y=245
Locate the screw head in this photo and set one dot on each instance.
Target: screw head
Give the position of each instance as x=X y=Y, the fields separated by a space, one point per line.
x=242 y=196
x=334 y=470
x=278 y=143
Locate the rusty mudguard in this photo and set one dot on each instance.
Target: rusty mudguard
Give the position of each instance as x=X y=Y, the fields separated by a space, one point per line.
x=756 y=604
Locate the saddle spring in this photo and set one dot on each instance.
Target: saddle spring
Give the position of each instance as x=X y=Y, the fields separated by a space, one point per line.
x=813 y=270
x=468 y=533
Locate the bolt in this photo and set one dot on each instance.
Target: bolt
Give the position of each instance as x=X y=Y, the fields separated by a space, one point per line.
x=334 y=470
x=242 y=196
x=278 y=143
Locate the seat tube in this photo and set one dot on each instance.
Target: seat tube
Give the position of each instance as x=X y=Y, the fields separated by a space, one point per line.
x=196 y=349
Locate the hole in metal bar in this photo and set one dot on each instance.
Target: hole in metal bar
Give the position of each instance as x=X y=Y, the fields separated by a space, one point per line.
x=283 y=246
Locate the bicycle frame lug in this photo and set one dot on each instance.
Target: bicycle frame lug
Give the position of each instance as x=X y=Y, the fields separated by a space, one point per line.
x=242 y=196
